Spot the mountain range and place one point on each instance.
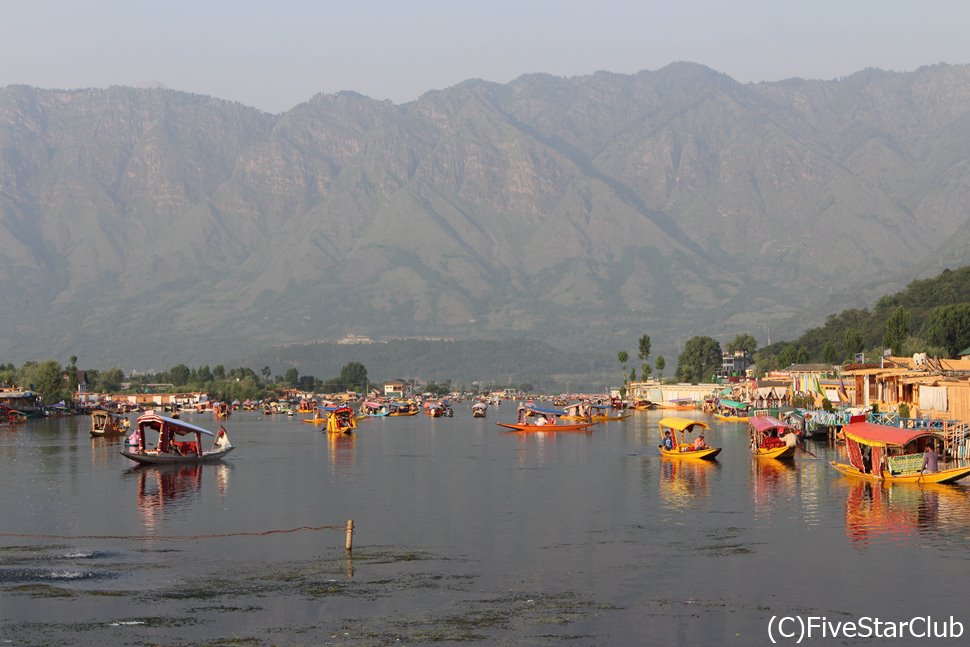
(146, 227)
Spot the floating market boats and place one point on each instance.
(892, 454)
(169, 448)
(672, 447)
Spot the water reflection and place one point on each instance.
(772, 481)
(340, 451)
(161, 485)
(104, 451)
(683, 483)
(878, 511)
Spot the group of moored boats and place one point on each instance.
(875, 452)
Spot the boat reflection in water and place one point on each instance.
(884, 512)
(161, 486)
(773, 483)
(340, 450)
(684, 484)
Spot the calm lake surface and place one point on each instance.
(464, 534)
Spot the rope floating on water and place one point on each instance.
(256, 533)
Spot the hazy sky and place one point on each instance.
(274, 55)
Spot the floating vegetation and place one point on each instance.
(411, 577)
(41, 591)
(56, 575)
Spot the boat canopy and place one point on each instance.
(762, 424)
(586, 404)
(682, 424)
(734, 404)
(868, 433)
(548, 412)
(177, 426)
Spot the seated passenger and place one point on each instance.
(700, 443)
(668, 442)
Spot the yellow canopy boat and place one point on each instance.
(879, 452)
(671, 447)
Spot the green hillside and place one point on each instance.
(931, 315)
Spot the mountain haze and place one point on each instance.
(146, 227)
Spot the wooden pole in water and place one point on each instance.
(349, 544)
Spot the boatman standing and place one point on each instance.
(221, 442)
(931, 460)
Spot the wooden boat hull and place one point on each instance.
(951, 475)
(698, 455)
(597, 418)
(168, 459)
(314, 421)
(517, 427)
(732, 418)
(778, 453)
(623, 416)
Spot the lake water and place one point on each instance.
(463, 534)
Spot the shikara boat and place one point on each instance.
(222, 410)
(579, 412)
(679, 448)
(438, 409)
(11, 416)
(679, 405)
(402, 409)
(766, 434)
(105, 423)
(534, 419)
(170, 448)
(586, 412)
(340, 420)
(891, 454)
(371, 409)
(732, 411)
(479, 409)
(317, 416)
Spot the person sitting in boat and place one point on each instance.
(541, 420)
(700, 443)
(221, 442)
(668, 442)
(931, 460)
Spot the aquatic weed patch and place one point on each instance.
(480, 621)
(4, 550)
(40, 591)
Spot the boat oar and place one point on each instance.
(807, 452)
